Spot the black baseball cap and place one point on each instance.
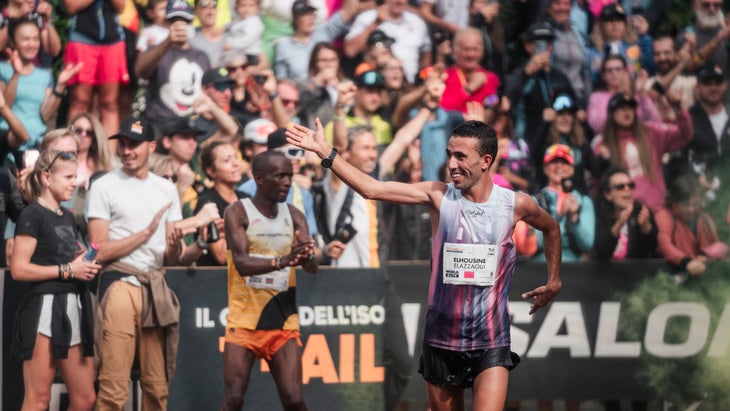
(710, 72)
(179, 8)
(564, 102)
(216, 75)
(620, 100)
(612, 12)
(539, 31)
(378, 36)
(136, 129)
(180, 125)
(277, 139)
(300, 7)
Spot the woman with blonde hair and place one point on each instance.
(95, 154)
(54, 322)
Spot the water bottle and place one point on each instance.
(91, 252)
(212, 233)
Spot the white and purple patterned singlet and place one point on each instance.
(469, 316)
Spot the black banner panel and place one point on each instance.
(601, 338)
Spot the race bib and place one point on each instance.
(469, 264)
(276, 280)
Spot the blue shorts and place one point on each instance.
(460, 368)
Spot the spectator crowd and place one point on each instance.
(575, 90)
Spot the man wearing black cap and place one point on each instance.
(173, 68)
(614, 22)
(379, 46)
(710, 119)
(214, 107)
(136, 240)
(367, 99)
(292, 52)
(532, 87)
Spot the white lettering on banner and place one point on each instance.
(564, 327)
(575, 339)
(699, 329)
(410, 313)
(721, 339)
(202, 318)
(316, 315)
(328, 315)
(223, 317)
(606, 344)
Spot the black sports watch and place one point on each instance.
(327, 161)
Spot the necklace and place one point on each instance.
(46, 205)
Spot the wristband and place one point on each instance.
(202, 244)
(278, 262)
(57, 94)
(683, 264)
(338, 118)
(431, 109)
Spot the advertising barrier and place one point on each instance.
(595, 341)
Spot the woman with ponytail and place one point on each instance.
(54, 326)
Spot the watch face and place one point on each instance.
(327, 162)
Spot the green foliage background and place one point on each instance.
(682, 381)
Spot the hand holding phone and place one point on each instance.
(541, 46)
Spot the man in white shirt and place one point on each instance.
(412, 42)
(130, 213)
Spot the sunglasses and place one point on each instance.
(84, 132)
(232, 69)
(293, 153)
(64, 155)
(613, 69)
(289, 102)
(171, 177)
(710, 5)
(622, 186)
(206, 4)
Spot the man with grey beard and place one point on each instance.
(711, 31)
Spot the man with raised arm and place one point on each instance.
(467, 334)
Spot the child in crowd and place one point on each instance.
(245, 31)
(156, 32)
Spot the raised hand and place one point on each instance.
(69, 70)
(152, 227)
(308, 139)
